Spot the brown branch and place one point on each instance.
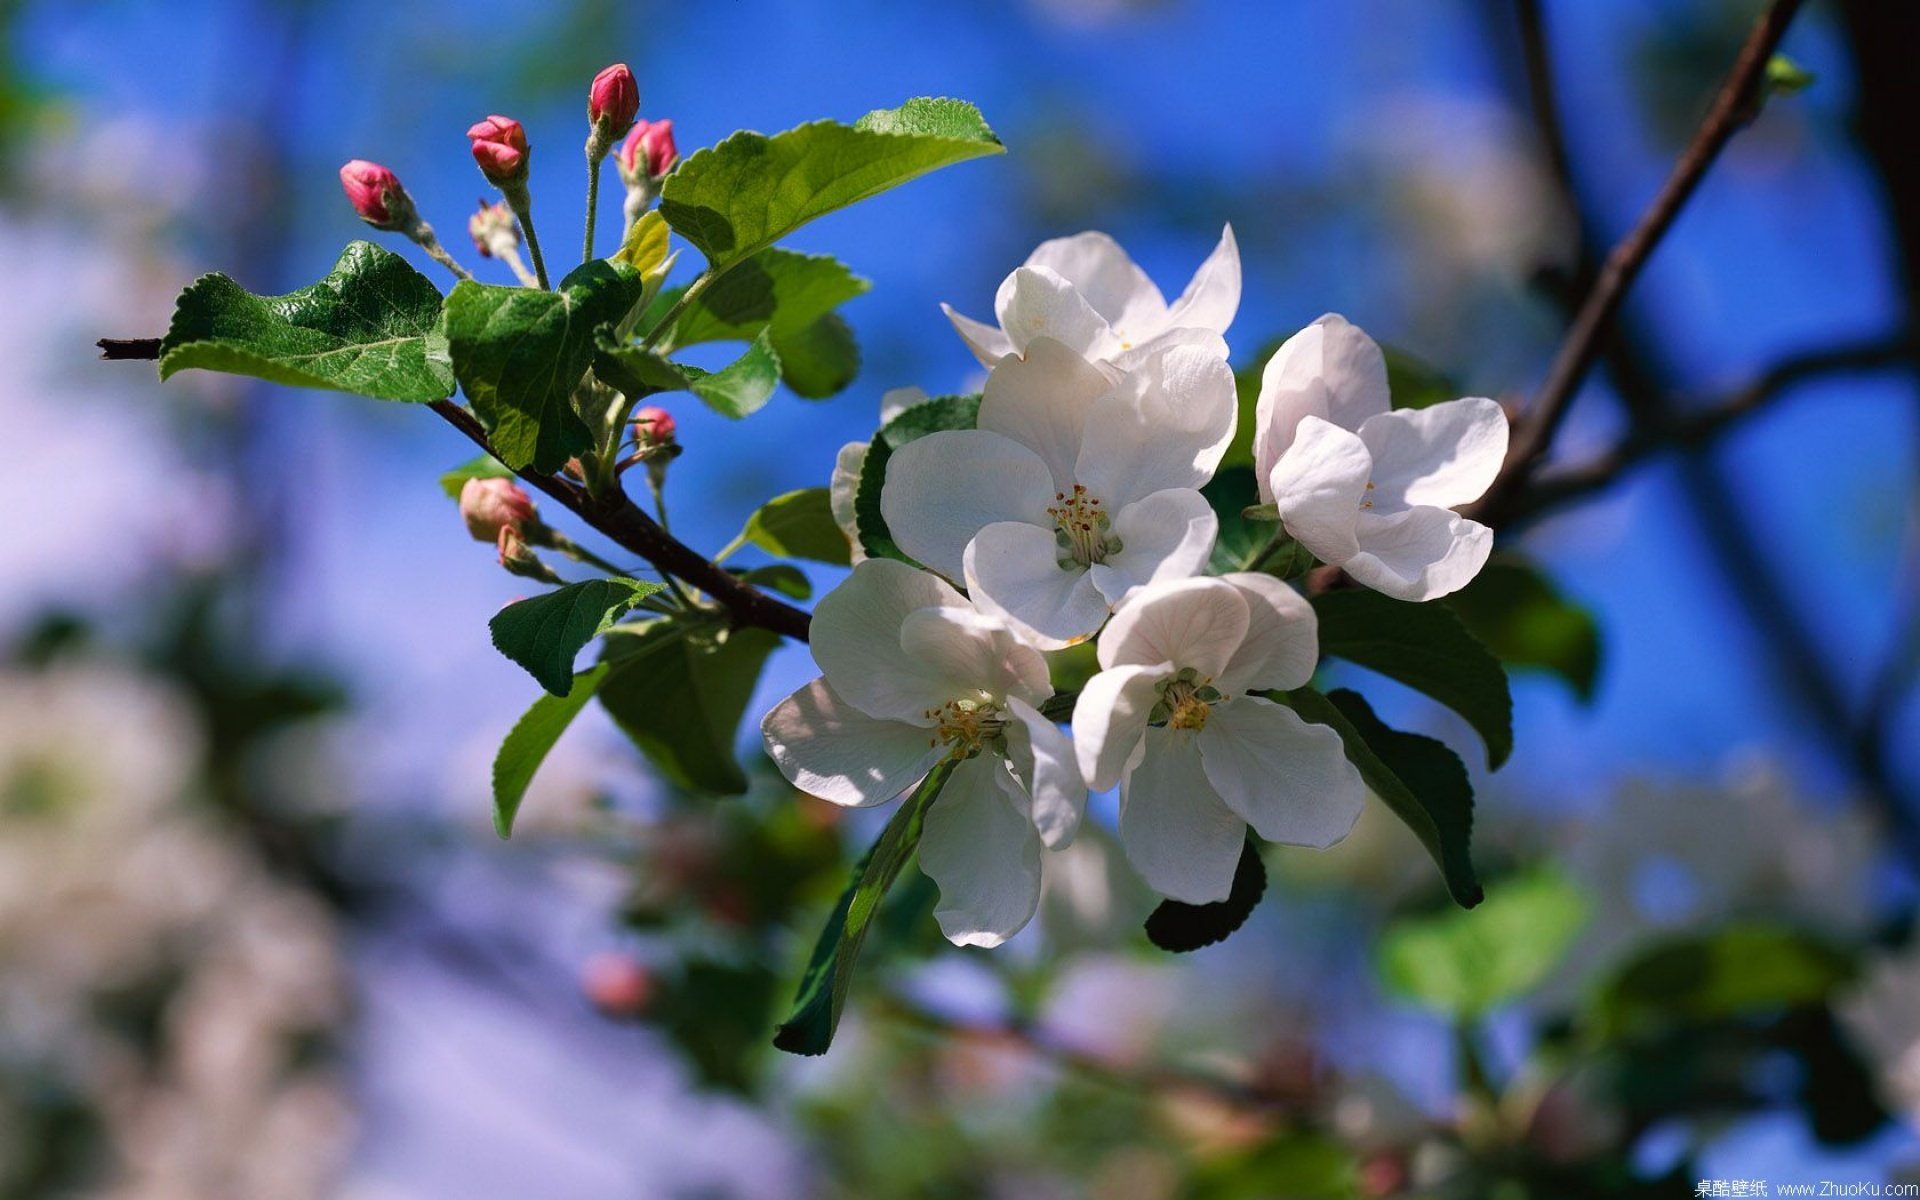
(1734, 105)
(614, 515)
(1701, 427)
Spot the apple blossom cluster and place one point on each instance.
(1072, 510)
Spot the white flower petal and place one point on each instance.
(1178, 833)
(988, 344)
(970, 652)
(1420, 554)
(1044, 756)
(1196, 623)
(832, 750)
(1110, 717)
(1319, 485)
(1164, 426)
(945, 487)
(1443, 455)
(1213, 296)
(1282, 645)
(1036, 302)
(855, 637)
(1329, 370)
(980, 848)
(841, 489)
(1289, 778)
(1112, 284)
(1041, 400)
(1168, 535)
(1013, 572)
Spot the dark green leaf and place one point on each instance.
(371, 327)
(1467, 964)
(1229, 493)
(1522, 618)
(739, 389)
(739, 197)
(1727, 973)
(484, 467)
(1289, 1165)
(776, 289)
(819, 360)
(798, 525)
(1415, 382)
(678, 688)
(1426, 647)
(544, 634)
(529, 742)
(829, 974)
(929, 416)
(520, 353)
(790, 581)
(1179, 927)
(1417, 777)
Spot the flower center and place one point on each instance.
(968, 724)
(1185, 701)
(1083, 531)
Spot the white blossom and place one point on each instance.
(1883, 1017)
(1367, 487)
(912, 675)
(1196, 759)
(1079, 484)
(1084, 292)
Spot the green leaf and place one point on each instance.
(529, 741)
(829, 975)
(644, 249)
(1287, 1165)
(739, 197)
(929, 416)
(736, 390)
(1724, 974)
(371, 327)
(1179, 927)
(790, 581)
(1422, 781)
(678, 688)
(1468, 964)
(1229, 493)
(819, 360)
(1428, 648)
(1516, 610)
(520, 353)
(486, 466)
(1416, 383)
(1785, 76)
(798, 525)
(776, 289)
(544, 634)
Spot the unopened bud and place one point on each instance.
(519, 559)
(648, 153)
(500, 148)
(617, 984)
(489, 506)
(495, 233)
(612, 102)
(376, 195)
(653, 426)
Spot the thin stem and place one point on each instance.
(1733, 107)
(593, 204)
(518, 266)
(700, 284)
(520, 200)
(579, 553)
(422, 235)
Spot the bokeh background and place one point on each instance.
(257, 938)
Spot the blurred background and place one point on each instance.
(257, 938)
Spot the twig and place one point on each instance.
(1700, 428)
(1733, 107)
(613, 514)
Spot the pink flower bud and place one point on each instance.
(617, 984)
(648, 153)
(500, 147)
(493, 227)
(492, 506)
(653, 426)
(612, 101)
(376, 194)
